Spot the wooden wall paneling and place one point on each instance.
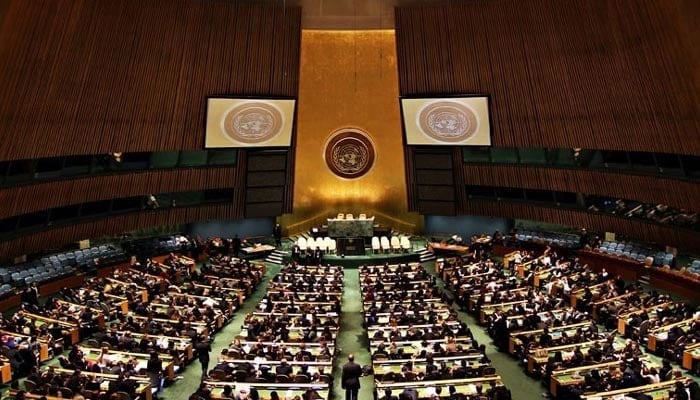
(459, 185)
(410, 179)
(558, 74)
(267, 184)
(648, 189)
(434, 179)
(101, 77)
(59, 236)
(25, 199)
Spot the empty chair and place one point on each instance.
(362, 216)
(301, 242)
(327, 243)
(348, 216)
(332, 246)
(384, 241)
(668, 260)
(376, 247)
(405, 243)
(395, 244)
(320, 243)
(340, 216)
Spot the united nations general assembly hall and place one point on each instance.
(349, 199)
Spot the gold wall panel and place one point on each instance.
(349, 79)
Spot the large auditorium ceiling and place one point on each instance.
(347, 14)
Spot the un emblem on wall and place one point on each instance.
(349, 153)
(253, 122)
(448, 121)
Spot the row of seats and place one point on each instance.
(694, 267)
(350, 216)
(326, 244)
(634, 251)
(567, 240)
(61, 264)
(396, 244)
(38, 275)
(160, 245)
(58, 265)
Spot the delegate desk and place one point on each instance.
(657, 391)
(127, 285)
(444, 248)
(481, 297)
(297, 333)
(316, 348)
(143, 390)
(211, 291)
(200, 327)
(390, 269)
(426, 389)
(5, 370)
(76, 309)
(258, 249)
(541, 355)
(422, 316)
(340, 228)
(296, 319)
(691, 356)
(313, 366)
(659, 335)
(555, 331)
(577, 294)
(617, 300)
(181, 344)
(386, 367)
(575, 376)
(118, 302)
(284, 390)
(412, 348)
(487, 310)
(624, 318)
(43, 345)
(95, 355)
(162, 311)
(72, 329)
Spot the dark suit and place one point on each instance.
(277, 233)
(352, 372)
(203, 348)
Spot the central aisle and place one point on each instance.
(352, 337)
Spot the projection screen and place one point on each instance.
(246, 122)
(449, 121)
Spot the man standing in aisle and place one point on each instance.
(203, 348)
(351, 378)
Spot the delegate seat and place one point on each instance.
(376, 247)
(386, 246)
(395, 244)
(405, 244)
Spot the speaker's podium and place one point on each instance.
(350, 233)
